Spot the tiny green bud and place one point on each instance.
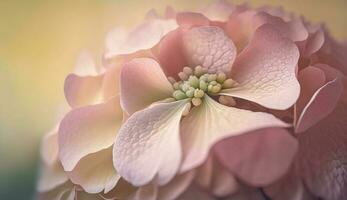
(221, 77)
(185, 86)
(216, 88)
(196, 101)
(171, 80)
(183, 76)
(198, 93)
(229, 83)
(199, 71)
(212, 77)
(203, 85)
(179, 95)
(176, 85)
(190, 92)
(193, 81)
(204, 78)
(209, 88)
(188, 71)
(213, 83)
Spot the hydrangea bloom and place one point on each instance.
(205, 104)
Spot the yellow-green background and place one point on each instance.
(39, 41)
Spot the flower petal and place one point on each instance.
(95, 172)
(211, 122)
(322, 155)
(265, 71)
(144, 142)
(209, 47)
(63, 192)
(142, 83)
(213, 176)
(218, 10)
(51, 177)
(294, 29)
(170, 54)
(194, 192)
(147, 192)
(320, 105)
(49, 146)
(110, 82)
(250, 155)
(311, 79)
(85, 65)
(82, 90)
(145, 36)
(190, 19)
(87, 130)
(176, 187)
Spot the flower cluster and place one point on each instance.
(225, 102)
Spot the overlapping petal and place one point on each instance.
(211, 122)
(146, 140)
(265, 70)
(218, 10)
(51, 177)
(87, 130)
(251, 154)
(322, 155)
(142, 83)
(95, 172)
(321, 89)
(209, 47)
(170, 53)
(120, 41)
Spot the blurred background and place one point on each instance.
(39, 41)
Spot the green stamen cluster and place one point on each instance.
(195, 83)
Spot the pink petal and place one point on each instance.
(214, 177)
(314, 42)
(289, 187)
(88, 129)
(211, 122)
(247, 193)
(85, 65)
(170, 54)
(209, 47)
(147, 192)
(110, 83)
(142, 83)
(294, 29)
(320, 105)
(218, 10)
(176, 187)
(49, 146)
(190, 19)
(51, 177)
(265, 71)
(144, 142)
(66, 191)
(252, 154)
(311, 79)
(82, 90)
(120, 42)
(95, 172)
(323, 156)
(123, 190)
(239, 27)
(194, 192)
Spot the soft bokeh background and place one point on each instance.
(39, 41)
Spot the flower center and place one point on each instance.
(196, 83)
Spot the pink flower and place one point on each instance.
(206, 104)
